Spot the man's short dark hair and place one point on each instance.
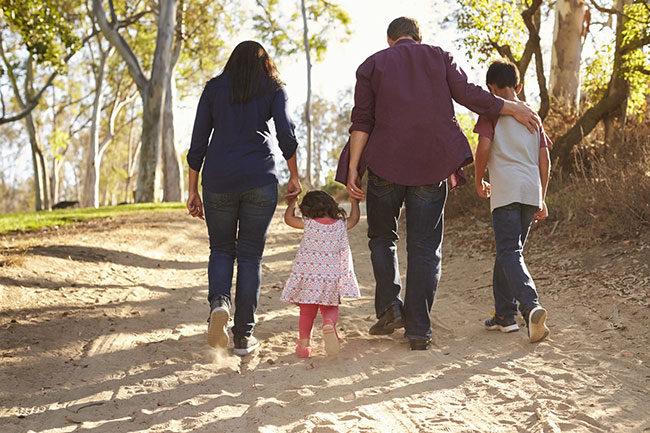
(404, 26)
(503, 73)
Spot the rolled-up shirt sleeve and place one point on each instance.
(201, 132)
(284, 126)
(470, 95)
(363, 113)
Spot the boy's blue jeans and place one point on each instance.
(424, 228)
(237, 225)
(511, 280)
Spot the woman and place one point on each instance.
(240, 187)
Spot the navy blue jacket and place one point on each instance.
(239, 155)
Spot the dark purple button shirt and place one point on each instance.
(403, 99)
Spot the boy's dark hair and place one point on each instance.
(503, 73)
(319, 204)
(404, 26)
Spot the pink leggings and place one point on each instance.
(308, 314)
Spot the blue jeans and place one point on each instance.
(511, 280)
(424, 227)
(237, 225)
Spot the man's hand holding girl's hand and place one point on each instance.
(354, 185)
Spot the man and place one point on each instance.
(403, 112)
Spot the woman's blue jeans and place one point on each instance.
(511, 280)
(237, 225)
(424, 228)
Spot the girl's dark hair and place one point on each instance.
(319, 204)
(252, 72)
(503, 73)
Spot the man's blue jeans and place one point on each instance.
(424, 227)
(237, 225)
(511, 280)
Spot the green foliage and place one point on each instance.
(284, 32)
(34, 220)
(207, 25)
(485, 23)
(46, 26)
(636, 63)
(59, 140)
(596, 75)
(467, 122)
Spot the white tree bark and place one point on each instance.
(564, 79)
(173, 179)
(91, 181)
(308, 174)
(172, 167)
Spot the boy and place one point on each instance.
(519, 167)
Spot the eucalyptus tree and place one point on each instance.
(37, 39)
(287, 38)
(622, 74)
(627, 85)
(509, 28)
(152, 89)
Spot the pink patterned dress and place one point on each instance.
(323, 271)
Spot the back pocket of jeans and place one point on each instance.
(263, 196)
(432, 192)
(378, 186)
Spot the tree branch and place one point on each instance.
(635, 45)
(110, 32)
(29, 104)
(534, 44)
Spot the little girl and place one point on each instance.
(323, 270)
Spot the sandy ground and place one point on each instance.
(102, 328)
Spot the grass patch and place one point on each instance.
(35, 220)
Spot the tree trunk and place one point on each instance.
(567, 50)
(152, 91)
(610, 105)
(91, 181)
(41, 176)
(308, 174)
(615, 121)
(172, 174)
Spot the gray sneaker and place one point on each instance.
(219, 316)
(245, 345)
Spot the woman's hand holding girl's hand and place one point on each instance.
(293, 189)
(194, 205)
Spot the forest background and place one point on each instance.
(98, 97)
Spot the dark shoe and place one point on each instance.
(419, 343)
(219, 316)
(501, 323)
(536, 323)
(245, 345)
(389, 321)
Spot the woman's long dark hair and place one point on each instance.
(319, 204)
(252, 72)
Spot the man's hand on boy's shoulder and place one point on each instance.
(483, 188)
(541, 214)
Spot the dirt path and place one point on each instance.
(102, 328)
